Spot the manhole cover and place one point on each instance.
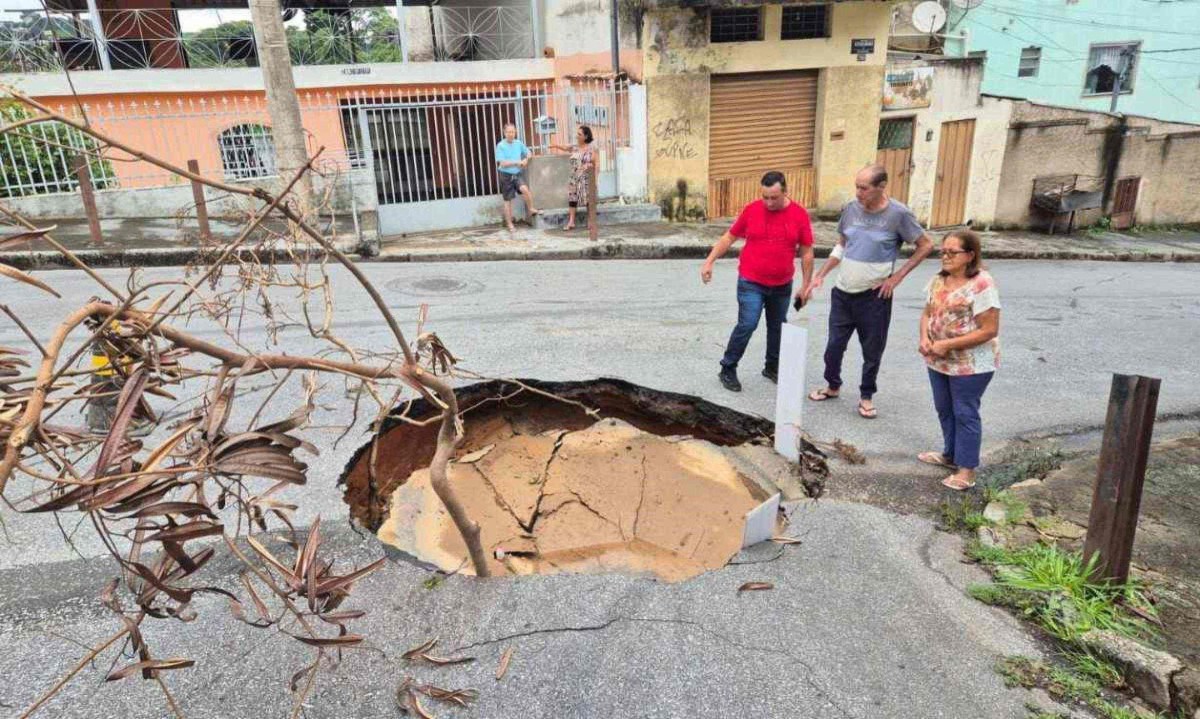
(662, 483)
(436, 286)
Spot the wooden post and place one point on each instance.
(593, 224)
(1112, 523)
(84, 175)
(198, 196)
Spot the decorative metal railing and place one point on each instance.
(36, 41)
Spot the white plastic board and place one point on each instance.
(789, 394)
(760, 522)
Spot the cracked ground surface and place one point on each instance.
(867, 619)
(608, 497)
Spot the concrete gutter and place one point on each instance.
(173, 256)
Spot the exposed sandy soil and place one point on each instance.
(607, 497)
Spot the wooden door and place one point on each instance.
(1125, 203)
(895, 154)
(759, 122)
(953, 173)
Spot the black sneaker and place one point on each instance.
(729, 379)
(771, 373)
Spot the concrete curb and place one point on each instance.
(601, 251)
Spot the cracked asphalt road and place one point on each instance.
(867, 618)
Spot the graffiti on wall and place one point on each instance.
(676, 141)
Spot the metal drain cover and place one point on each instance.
(435, 286)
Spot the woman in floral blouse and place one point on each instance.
(583, 160)
(959, 330)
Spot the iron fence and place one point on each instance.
(137, 38)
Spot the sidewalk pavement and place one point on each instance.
(167, 241)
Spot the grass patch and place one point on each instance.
(1025, 463)
(1066, 685)
(961, 514)
(1056, 590)
(1096, 668)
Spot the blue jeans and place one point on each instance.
(868, 314)
(753, 298)
(957, 402)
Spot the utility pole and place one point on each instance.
(283, 105)
(1123, 69)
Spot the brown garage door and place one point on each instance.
(759, 122)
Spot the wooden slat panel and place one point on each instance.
(760, 122)
(728, 195)
(896, 163)
(953, 173)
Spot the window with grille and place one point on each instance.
(735, 25)
(1104, 67)
(352, 135)
(1031, 58)
(895, 134)
(804, 22)
(247, 151)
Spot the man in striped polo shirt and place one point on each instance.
(871, 229)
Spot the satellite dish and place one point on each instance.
(928, 17)
(967, 4)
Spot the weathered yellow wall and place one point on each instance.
(677, 144)
(679, 61)
(847, 130)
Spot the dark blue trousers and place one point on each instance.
(957, 401)
(753, 300)
(868, 314)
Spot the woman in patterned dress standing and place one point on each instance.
(583, 161)
(959, 331)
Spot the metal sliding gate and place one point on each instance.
(433, 154)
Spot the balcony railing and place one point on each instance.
(35, 41)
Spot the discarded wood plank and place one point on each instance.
(1117, 495)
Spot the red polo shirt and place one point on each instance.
(769, 257)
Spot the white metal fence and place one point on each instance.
(440, 145)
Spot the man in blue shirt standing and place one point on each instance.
(511, 158)
(871, 229)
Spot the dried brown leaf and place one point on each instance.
(421, 649)
(461, 697)
(15, 274)
(446, 661)
(189, 531)
(343, 583)
(271, 560)
(152, 665)
(342, 641)
(755, 587)
(505, 658)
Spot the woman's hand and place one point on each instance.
(940, 348)
(926, 346)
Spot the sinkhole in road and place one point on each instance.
(645, 482)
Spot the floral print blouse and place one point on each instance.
(954, 313)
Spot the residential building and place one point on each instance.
(406, 101)
(1070, 53)
(736, 89)
(942, 143)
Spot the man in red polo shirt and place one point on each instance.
(773, 228)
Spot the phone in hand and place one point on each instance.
(798, 303)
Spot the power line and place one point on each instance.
(1017, 13)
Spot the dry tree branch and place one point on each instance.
(143, 498)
